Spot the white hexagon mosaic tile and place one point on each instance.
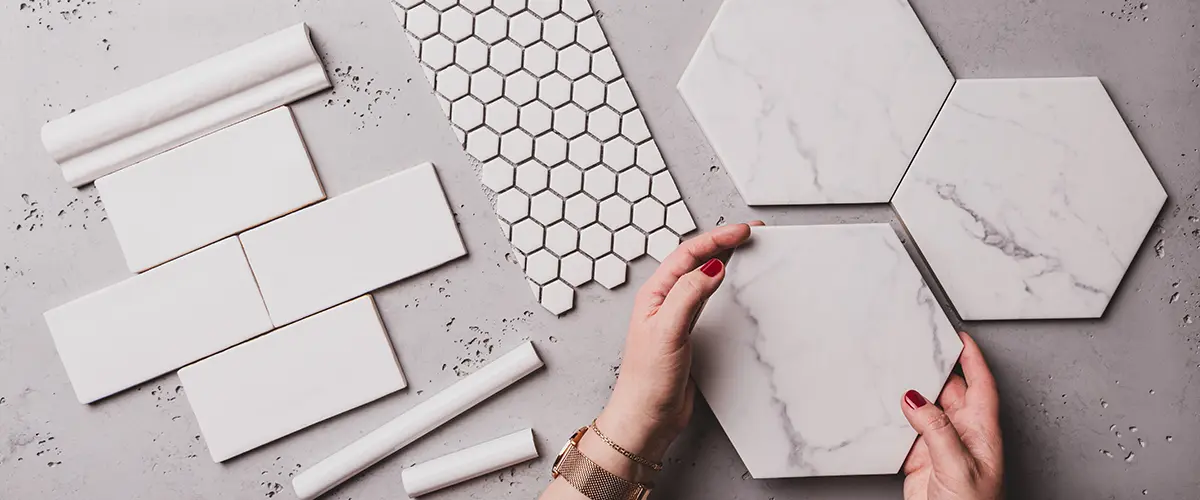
(820, 101)
(1029, 198)
(534, 93)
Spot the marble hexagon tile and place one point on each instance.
(814, 102)
(1029, 198)
(830, 316)
(535, 94)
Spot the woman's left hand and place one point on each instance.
(652, 400)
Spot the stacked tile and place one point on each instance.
(533, 92)
(220, 140)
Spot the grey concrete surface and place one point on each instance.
(1108, 408)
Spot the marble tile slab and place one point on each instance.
(806, 350)
(210, 188)
(534, 93)
(1030, 198)
(821, 101)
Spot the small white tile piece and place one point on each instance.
(661, 243)
(521, 87)
(615, 213)
(604, 123)
(463, 465)
(559, 31)
(540, 59)
(574, 62)
(476, 6)
(584, 151)
(491, 26)
(604, 65)
(633, 184)
(487, 85)
(525, 28)
(664, 188)
(561, 238)
(576, 269)
(483, 144)
(507, 57)
(595, 241)
(566, 179)
(510, 7)
(570, 121)
(457, 24)
(545, 8)
(577, 10)
(210, 188)
(679, 219)
(512, 205)
(291, 378)
(546, 207)
(629, 243)
(589, 92)
(633, 126)
(599, 182)
(527, 235)
(467, 113)
(437, 52)
(1029, 198)
(532, 177)
(516, 146)
(471, 54)
(550, 149)
(422, 21)
(536, 118)
(557, 297)
(554, 90)
(649, 215)
(157, 321)
(349, 245)
(610, 271)
(581, 210)
(797, 125)
(619, 96)
(188, 104)
(835, 314)
(590, 35)
(619, 154)
(498, 174)
(649, 158)
(501, 115)
(541, 267)
(452, 82)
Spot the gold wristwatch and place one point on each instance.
(590, 479)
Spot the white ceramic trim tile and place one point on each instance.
(469, 463)
(210, 188)
(351, 244)
(822, 101)
(1030, 198)
(158, 321)
(204, 97)
(836, 316)
(417, 422)
(565, 119)
(291, 378)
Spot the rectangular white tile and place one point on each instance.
(292, 378)
(182, 106)
(209, 188)
(351, 244)
(158, 321)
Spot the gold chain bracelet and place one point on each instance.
(628, 454)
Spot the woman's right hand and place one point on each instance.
(958, 455)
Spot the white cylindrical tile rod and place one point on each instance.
(469, 463)
(416, 422)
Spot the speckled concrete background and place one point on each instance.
(1092, 409)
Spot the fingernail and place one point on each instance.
(711, 268)
(914, 399)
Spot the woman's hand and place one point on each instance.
(958, 456)
(652, 400)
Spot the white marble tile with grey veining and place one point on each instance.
(806, 350)
(821, 101)
(1029, 198)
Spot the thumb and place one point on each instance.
(687, 296)
(946, 450)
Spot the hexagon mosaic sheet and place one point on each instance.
(535, 94)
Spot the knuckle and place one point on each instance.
(937, 422)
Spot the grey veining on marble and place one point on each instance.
(806, 349)
(1029, 198)
(815, 102)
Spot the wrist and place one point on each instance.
(635, 433)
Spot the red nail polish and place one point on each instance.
(914, 399)
(711, 268)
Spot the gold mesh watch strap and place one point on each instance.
(595, 482)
